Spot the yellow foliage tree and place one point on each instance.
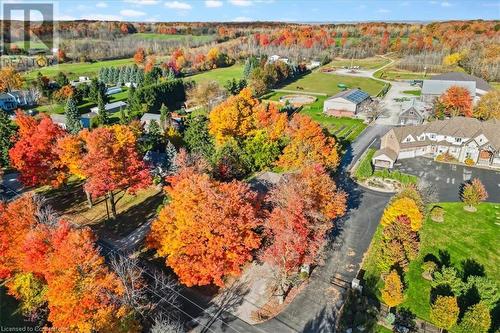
(9, 79)
(452, 59)
(403, 207)
(235, 117)
(489, 106)
(392, 294)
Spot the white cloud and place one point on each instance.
(177, 5)
(143, 2)
(101, 4)
(446, 4)
(65, 18)
(242, 19)
(213, 3)
(383, 11)
(241, 3)
(131, 13)
(103, 17)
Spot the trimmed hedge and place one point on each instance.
(401, 177)
(172, 93)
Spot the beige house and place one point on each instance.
(466, 140)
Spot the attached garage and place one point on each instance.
(406, 154)
(384, 158)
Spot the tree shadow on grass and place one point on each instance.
(131, 219)
(66, 197)
(471, 267)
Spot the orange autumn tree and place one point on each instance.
(304, 205)
(308, 144)
(82, 293)
(34, 154)
(207, 230)
(392, 293)
(233, 118)
(51, 264)
(112, 163)
(456, 101)
(140, 56)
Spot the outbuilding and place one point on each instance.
(346, 103)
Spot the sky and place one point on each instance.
(275, 10)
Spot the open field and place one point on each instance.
(31, 45)
(164, 37)
(462, 235)
(345, 129)
(393, 74)
(73, 70)
(367, 63)
(220, 75)
(326, 83)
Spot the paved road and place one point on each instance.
(447, 178)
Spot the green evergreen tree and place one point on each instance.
(165, 117)
(123, 117)
(477, 319)
(102, 115)
(6, 133)
(197, 137)
(155, 135)
(62, 79)
(171, 154)
(139, 77)
(72, 116)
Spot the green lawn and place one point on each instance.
(326, 83)
(463, 235)
(367, 63)
(154, 36)
(85, 106)
(495, 85)
(415, 92)
(392, 74)
(73, 70)
(220, 75)
(346, 129)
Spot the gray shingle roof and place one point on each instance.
(461, 127)
(457, 76)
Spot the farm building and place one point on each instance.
(438, 84)
(346, 103)
(413, 112)
(111, 107)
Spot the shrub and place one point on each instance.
(428, 268)
(449, 276)
(469, 161)
(437, 214)
(365, 168)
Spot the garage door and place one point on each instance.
(406, 154)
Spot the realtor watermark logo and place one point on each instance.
(28, 34)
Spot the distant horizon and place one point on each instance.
(292, 11)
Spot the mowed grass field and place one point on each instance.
(463, 235)
(220, 75)
(326, 83)
(155, 36)
(345, 129)
(73, 70)
(367, 63)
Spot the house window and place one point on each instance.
(458, 140)
(433, 136)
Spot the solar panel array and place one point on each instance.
(357, 96)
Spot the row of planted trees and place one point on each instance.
(459, 300)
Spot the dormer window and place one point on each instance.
(458, 140)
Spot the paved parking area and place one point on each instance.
(448, 177)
